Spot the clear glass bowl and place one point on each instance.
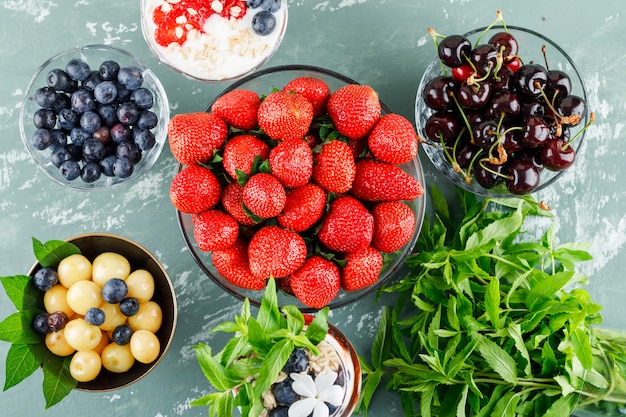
(530, 50)
(234, 53)
(93, 244)
(263, 82)
(94, 55)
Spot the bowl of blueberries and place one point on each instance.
(94, 117)
(502, 110)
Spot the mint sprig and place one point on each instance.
(256, 353)
(28, 352)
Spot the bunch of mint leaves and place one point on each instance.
(252, 359)
(28, 351)
(489, 322)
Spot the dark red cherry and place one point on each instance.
(505, 103)
(453, 50)
(559, 85)
(437, 93)
(536, 132)
(474, 118)
(522, 176)
(512, 141)
(488, 175)
(486, 134)
(530, 80)
(505, 42)
(533, 108)
(474, 96)
(502, 80)
(465, 153)
(557, 155)
(484, 58)
(572, 107)
(442, 125)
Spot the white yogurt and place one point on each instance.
(227, 49)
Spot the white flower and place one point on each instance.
(316, 394)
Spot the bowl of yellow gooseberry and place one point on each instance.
(99, 312)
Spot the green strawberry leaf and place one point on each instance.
(49, 254)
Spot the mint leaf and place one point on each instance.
(382, 340)
(563, 407)
(492, 303)
(295, 319)
(582, 348)
(218, 375)
(57, 381)
(269, 316)
(258, 338)
(49, 254)
(17, 328)
(318, 328)
(498, 359)
(22, 292)
(273, 364)
(22, 361)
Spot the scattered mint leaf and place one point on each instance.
(218, 375)
(49, 254)
(273, 364)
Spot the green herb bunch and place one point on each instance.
(256, 353)
(488, 323)
(28, 351)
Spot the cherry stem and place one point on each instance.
(468, 178)
(467, 123)
(592, 118)
(545, 56)
(452, 158)
(486, 168)
(434, 35)
(499, 19)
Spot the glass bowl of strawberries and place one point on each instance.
(502, 110)
(303, 175)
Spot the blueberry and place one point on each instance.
(143, 98)
(95, 316)
(128, 113)
(341, 377)
(253, 3)
(90, 121)
(40, 324)
(45, 97)
(297, 362)
(92, 81)
(45, 278)
(62, 102)
(120, 133)
(263, 23)
(123, 93)
(45, 119)
(59, 138)
(90, 172)
(41, 139)
(129, 306)
(106, 164)
(68, 119)
(70, 170)
(121, 334)
(271, 6)
(144, 139)
(78, 136)
(82, 101)
(147, 120)
(280, 411)
(93, 150)
(108, 70)
(114, 290)
(108, 114)
(59, 155)
(60, 81)
(57, 320)
(105, 92)
(103, 134)
(123, 167)
(77, 70)
(129, 150)
(130, 77)
(76, 151)
(284, 393)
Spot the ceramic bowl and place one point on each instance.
(93, 244)
(94, 56)
(263, 82)
(530, 51)
(214, 44)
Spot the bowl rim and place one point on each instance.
(84, 386)
(162, 60)
(28, 93)
(432, 147)
(420, 202)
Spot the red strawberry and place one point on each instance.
(354, 109)
(232, 264)
(276, 252)
(381, 181)
(393, 140)
(304, 206)
(361, 269)
(232, 201)
(291, 161)
(394, 223)
(215, 230)
(264, 195)
(348, 226)
(284, 115)
(240, 151)
(334, 167)
(238, 108)
(314, 89)
(316, 282)
(195, 189)
(194, 137)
